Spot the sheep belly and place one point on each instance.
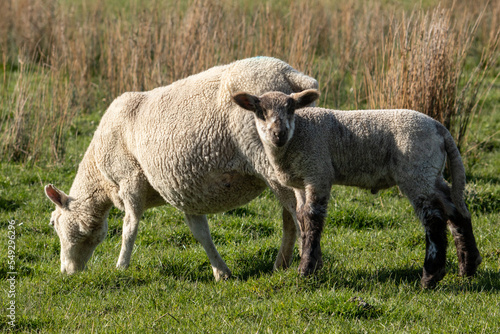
(372, 181)
(216, 191)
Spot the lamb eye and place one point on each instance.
(260, 115)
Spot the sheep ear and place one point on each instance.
(246, 101)
(57, 196)
(305, 98)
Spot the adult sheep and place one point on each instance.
(185, 144)
(314, 148)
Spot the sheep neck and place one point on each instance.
(87, 189)
(279, 159)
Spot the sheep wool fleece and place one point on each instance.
(187, 144)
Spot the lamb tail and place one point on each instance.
(457, 174)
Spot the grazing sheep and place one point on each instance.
(314, 148)
(186, 144)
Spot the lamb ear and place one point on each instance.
(57, 196)
(246, 101)
(305, 98)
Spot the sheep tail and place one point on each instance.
(457, 174)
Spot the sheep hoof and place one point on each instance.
(221, 275)
(281, 263)
(307, 268)
(121, 266)
(429, 281)
(469, 268)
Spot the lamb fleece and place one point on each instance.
(185, 144)
(313, 148)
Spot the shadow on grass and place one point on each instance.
(200, 271)
(360, 279)
(31, 324)
(8, 205)
(359, 219)
(240, 212)
(252, 266)
(486, 179)
(244, 266)
(256, 264)
(485, 202)
(484, 281)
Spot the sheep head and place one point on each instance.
(77, 229)
(275, 113)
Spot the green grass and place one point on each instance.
(373, 245)
(373, 249)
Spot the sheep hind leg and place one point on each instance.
(468, 254)
(461, 230)
(431, 213)
(198, 225)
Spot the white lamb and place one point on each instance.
(186, 144)
(312, 148)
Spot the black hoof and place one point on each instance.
(429, 281)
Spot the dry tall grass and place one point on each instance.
(36, 114)
(60, 59)
(422, 69)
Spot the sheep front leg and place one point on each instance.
(198, 225)
(311, 217)
(435, 253)
(285, 252)
(133, 213)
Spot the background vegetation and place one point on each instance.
(63, 62)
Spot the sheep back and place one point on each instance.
(371, 149)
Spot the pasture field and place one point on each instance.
(54, 90)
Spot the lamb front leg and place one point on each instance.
(285, 253)
(290, 227)
(311, 216)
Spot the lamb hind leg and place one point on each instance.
(468, 254)
(461, 229)
(433, 219)
(198, 225)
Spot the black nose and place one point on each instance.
(280, 138)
